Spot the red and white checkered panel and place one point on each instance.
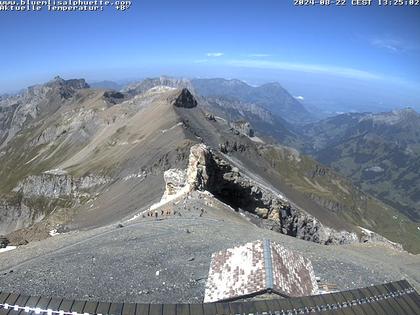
(236, 272)
(242, 270)
(293, 274)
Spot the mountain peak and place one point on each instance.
(184, 98)
(76, 84)
(57, 79)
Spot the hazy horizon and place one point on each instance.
(327, 96)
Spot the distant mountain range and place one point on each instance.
(106, 85)
(271, 96)
(266, 123)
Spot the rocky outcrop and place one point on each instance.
(33, 102)
(200, 161)
(329, 204)
(232, 146)
(242, 127)
(3, 242)
(16, 214)
(208, 172)
(6, 116)
(56, 184)
(46, 185)
(175, 181)
(184, 99)
(210, 116)
(368, 236)
(113, 97)
(147, 84)
(34, 198)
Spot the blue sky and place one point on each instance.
(254, 40)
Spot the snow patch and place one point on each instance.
(173, 127)
(56, 171)
(168, 198)
(141, 175)
(256, 139)
(220, 118)
(375, 169)
(160, 88)
(165, 200)
(368, 232)
(7, 248)
(54, 232)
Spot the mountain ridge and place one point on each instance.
(157, 182)
(270, 95)
(156, 127)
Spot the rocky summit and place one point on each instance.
(156, 177)
(184, 99)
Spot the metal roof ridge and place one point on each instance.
(268, 263)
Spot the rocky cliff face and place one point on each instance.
(175, 181)
(37, 196)
(243, 127)
(18, 110)
(56, 184)
(6, 117)
(208, 172)
(147, 84)
(15, 214)
(368, 236)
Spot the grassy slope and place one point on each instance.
(319, 182)
(397, 184)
